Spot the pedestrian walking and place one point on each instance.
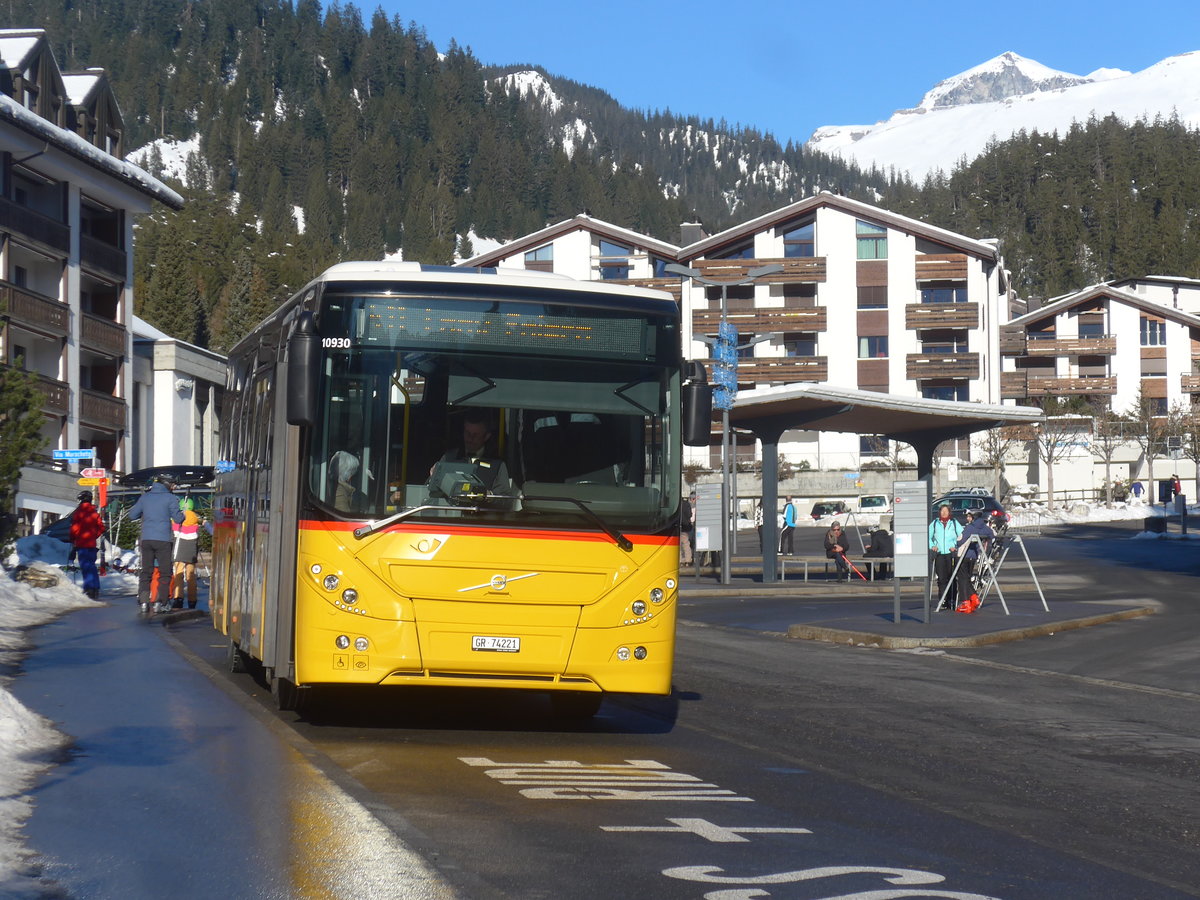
(187, 543)
(157, 509)
(787, 538)
(86, 529)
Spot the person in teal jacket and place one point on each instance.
(944, 533)
(788, 537)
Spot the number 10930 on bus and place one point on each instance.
(456, 478)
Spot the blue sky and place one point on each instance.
(789, 67)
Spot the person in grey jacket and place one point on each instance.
(157, 508)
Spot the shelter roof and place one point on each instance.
(829, 408)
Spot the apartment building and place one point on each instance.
(67, 202)
(863, 298)
(1109, 342)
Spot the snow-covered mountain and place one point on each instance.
(958, 116)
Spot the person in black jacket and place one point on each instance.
(835, 549)
(882, 546)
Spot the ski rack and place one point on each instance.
(990, 563)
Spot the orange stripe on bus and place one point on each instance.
(649, 540)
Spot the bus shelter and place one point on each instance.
(921, 423)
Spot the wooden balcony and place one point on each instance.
(34, 311)
(780, 370)
(759, 320)
(1014, 385)
(941, 315)
(1105, 345)
(1012, 341)
(31, 224)
(1190, 384)
(923, 366)
(942, 267)
(97, 254)
(672, 286)
(56, 395)
(102, 411)
(810, 269)
(102, 335)
(1070, 387)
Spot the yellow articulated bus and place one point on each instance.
(437, 476)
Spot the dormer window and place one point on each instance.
(800, 242)
(614, 260)
(872, 240)
(541, 259)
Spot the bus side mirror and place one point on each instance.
(303, 372)
(697, 406)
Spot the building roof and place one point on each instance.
(580, 222)
(983, 249)
(1106, 290)
(80, 85)
(18, 44)
(68, 142)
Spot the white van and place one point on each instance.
(874, 503)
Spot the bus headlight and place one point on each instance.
(639, 652)
(623, 654)
(638, 607)
(656, 595)
(349, 596)
(331, 582)
(315, 568)
(360, 644)
(670, 584)
(342, 641)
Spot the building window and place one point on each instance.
(873, 296)
(614, 260)
(1157, 406)
(800, 243)
(944, 342)
(873, 347)
(660, 267)
(872, 240)
(800, 343)
(1154, 332)
(953, 293)
(745, 350)
(744, 251)
(958, 392)
(541, 259)
(1091, 329)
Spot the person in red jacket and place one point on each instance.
(86, 529)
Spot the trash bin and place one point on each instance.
(1157, 524)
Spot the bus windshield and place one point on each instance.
(501, 412)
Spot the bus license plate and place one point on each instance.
(496, 644)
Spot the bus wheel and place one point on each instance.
(575, 704)
(235, 659)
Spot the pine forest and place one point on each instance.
(325, 137)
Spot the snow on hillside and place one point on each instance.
(174, 155)
(959, 116)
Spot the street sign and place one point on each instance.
(73, 454)
(91, 482)
(93, 473)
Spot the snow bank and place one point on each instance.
(28, 742)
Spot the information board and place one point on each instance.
(709, 534)
(910, 522)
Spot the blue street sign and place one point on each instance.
(225, 465)
(73, 454)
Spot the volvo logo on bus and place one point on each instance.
(498, 582)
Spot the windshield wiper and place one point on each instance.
(621, 541)
(371, 527)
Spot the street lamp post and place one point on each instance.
(725, 378)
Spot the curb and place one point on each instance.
(893, 642)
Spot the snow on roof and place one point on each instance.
(73, 144)
(79, 85)
(143, 330)
(577, 223)
(17, 43)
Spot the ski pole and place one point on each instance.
(854, 570)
